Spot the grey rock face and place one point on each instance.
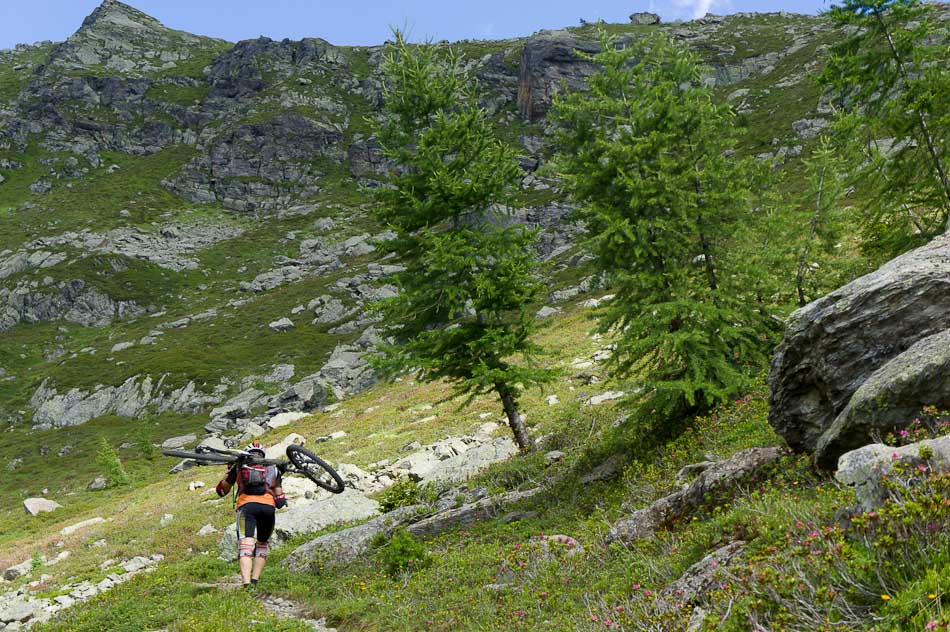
(307, 394)
(98, 483)
(548, 60)
(18, 570)
(345, 546)
(130, 399)
(237, 74)
(283, 324)
(863, 468)
(704, 575)
(833, 345)
(179, 442)
(259, 166)
(644, 522)
(468, 514)
(366, 159)
(240, 405)
(123, 40)
(71, 301)
(891, 397)
(169, 247)
(469, 462)
(347, 371)
(327, 309)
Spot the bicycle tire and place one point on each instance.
(200, 456)
(313, 467)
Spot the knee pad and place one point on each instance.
(261, 549)
(246, 548)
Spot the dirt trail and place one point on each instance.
(277, 606)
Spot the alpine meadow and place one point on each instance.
(636, 326)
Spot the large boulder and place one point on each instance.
(350, 506)
(705, 575)
(644, 19)
(834, 345)
(341, 547)
(36, 506)
(469, 513)
(893, 394)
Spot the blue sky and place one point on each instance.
(364, 21)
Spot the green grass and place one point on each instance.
(92, 202)
(13, 81)
(543, 586)
(177, 94)
(557, 590)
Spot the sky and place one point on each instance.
(365, 22)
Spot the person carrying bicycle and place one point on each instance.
(259, 496)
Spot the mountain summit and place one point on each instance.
(117, 38)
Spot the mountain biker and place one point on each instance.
(259, 496)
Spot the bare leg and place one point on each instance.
(246, 562)
(258, 567)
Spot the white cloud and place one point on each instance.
(696, 8)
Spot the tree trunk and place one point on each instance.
(704, 242)
(800, 277)
(518, 427)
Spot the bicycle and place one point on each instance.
(299, 461)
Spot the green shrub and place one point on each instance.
(112, 469)
(880, 571)
(143, 441)
(36, 562)
(403, 553)
(405, 492)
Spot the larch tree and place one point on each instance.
(890, 81)
(646, 152)
(464, 308)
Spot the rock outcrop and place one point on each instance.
(835, 345)
(342, 547)
(865, 467)
(549, 62)
(71, 301)
(715, 480)
(260, 166)
(130, 399)
(891, 396)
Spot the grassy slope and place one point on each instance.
(564, 593)
(560, 593)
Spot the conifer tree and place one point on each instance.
(891, 81)
(646, 153)
(463, 312)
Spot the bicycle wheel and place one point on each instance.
(315, 468)
(201, 457)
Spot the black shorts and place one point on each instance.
(255, 520)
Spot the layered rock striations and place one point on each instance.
(866, 357)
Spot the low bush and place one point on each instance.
(403, 554)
